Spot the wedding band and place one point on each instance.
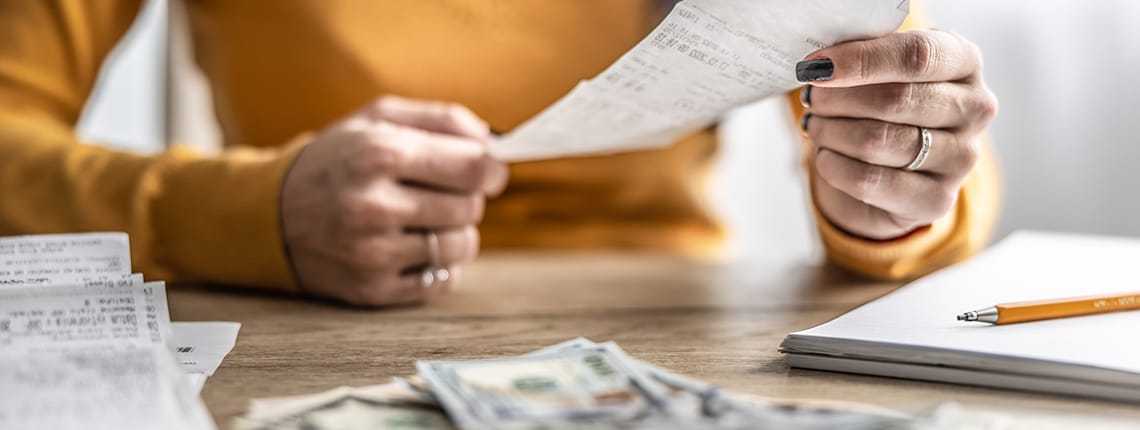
(434, 272)
(429, 276)
(441, 274)
(920, 158)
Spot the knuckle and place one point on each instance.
(970, 154)
(897, 98)
(921, 54)
(384, 105)
(867, 56)
(477, 168)
(450, 113)
(364, 210)
(869, 182)
(384, 155)
(987, 108)
(455, 111)
(876, 142)
(474, 209)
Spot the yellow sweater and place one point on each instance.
(285, 68)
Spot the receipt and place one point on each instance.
(78, 314)
(201, 346)
(111, 386)
(46, 259)
(84, 343)
(97, 261)
(706, 58)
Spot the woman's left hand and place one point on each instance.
(868, 105)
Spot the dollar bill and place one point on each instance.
(393, 406)
(592, 386)
(705, 406)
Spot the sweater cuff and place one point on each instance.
(890, 259)
(219, 219)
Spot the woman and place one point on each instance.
(311, 196)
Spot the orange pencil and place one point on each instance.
(1008, 313)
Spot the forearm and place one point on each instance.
(189, 217)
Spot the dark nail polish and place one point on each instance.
(805, 97)
(815, 70)
(804, 122)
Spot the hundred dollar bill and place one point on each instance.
(394, 406)
(588, 387)
(705, 406)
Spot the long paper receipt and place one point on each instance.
(86, 344)
(706, 58)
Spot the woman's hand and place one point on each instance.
(867, 106)
(357, 202)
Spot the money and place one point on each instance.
(577, 384)
(396, 405)
(594, 386)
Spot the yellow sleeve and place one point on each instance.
(189, 217)
(962, 232)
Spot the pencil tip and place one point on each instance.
(962, 317)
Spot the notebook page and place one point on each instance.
(1026, 266)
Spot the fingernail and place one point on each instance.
(804, 122)
(805, 97)
(815, 70)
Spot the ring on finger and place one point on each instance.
(434, 272)
(923, 151)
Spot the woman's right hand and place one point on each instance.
(357, 202)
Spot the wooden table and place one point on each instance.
(716, 322)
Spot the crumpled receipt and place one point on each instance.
(706, 58)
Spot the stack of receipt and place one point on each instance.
(575, 384)
(85, 343)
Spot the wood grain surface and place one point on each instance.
(718, 322)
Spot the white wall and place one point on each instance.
(1062, 70)
(126, 109)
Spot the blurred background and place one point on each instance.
(1063, 72)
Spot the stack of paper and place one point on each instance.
(84, 343)
(913, 332)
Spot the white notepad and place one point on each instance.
(912, 332)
